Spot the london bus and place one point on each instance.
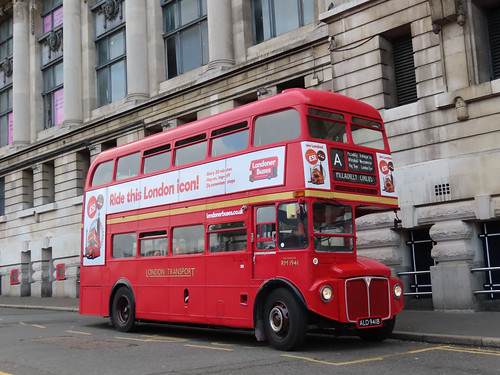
(188, 234)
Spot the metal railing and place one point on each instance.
(490, 285)
(416, 285)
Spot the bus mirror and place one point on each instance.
(291, 211)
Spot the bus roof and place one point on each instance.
(288, 98)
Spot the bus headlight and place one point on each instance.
(397, 291)
(326, 293)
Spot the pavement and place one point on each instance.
(478, 328)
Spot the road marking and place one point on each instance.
(79, 333)
(471, 351)
(382, 357)
(4, 373)
(220, 344)
(153, 338)
(334, 363)
(33, 325)
(209, 347)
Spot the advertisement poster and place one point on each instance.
(316, 165)
(94, 228)
(256, 170)
(386, 175)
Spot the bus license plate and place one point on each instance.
(369, 322)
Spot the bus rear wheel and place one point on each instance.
(123, 310)
(285, 320)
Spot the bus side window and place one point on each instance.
(128, 166)
(369, 134)
(103, 173)
(124, 245)
(190, 149)
(266, 228)
(292, 226)
(276, 127)
(227, 237)
(229, 139)
(188, 240)
(157, 159)
(153, 243)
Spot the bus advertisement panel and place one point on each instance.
(216, 178)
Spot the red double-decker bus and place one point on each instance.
(188, 236)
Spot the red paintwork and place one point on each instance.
(222, 287)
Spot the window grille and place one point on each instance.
(404, 70)
(420, 246)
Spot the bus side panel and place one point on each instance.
(90, 301)
(152, 288)
(92, 298)
(187, 287)
(228, 290)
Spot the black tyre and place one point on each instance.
(378, 333)
(123, 310)
(285, 320)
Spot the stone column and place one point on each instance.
(376, 238)
(452, 282)
(72, 42)
(455, 57)
(220, 33)
(137, 51)
(21, 74)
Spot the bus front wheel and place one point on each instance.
(285, 320)
(123, 310)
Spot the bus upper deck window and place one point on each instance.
(326, 127)
(157, 159)
(229, 139)
(367, 135)
(128, 166)
(191, 152)
(276, 127)
(103, 173)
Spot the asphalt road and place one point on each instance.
(39, 342)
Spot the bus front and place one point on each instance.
(348, 173)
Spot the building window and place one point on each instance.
(493, 21)
(52, 64)
(2, 196)
(419, 278)
(6, 121)
(52, 14)
(27, 188)
(404, 70)
(111, 51)
(185, 36)
(53, 95)
(271, 18)
(491, 247)
(400, 83)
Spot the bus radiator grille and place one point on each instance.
(367, 297)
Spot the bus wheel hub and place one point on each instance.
(279, 320)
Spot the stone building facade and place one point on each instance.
(78, 77)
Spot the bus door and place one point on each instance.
(228, 267)
(264, 242)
